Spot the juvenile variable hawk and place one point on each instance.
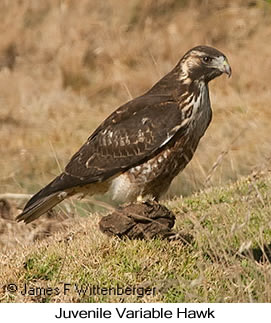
(145, 143)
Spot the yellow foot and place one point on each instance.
(140, 199)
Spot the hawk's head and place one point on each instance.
(203, 62)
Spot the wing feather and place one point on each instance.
(131, 135)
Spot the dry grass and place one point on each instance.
(228, 260)
(77, 63)
(64, 66)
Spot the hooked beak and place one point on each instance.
(225, 67)
(222, 64)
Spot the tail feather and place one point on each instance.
(44, 200)
(34, 210)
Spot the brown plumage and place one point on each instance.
(145, 143)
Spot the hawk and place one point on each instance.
(145, 143)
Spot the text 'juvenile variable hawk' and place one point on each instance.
(145, 143)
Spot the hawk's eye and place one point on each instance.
(207, 59)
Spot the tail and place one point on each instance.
(40, 203)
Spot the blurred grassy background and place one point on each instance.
(65, 65)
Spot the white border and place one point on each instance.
(49, 312)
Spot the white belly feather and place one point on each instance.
(122, 190)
